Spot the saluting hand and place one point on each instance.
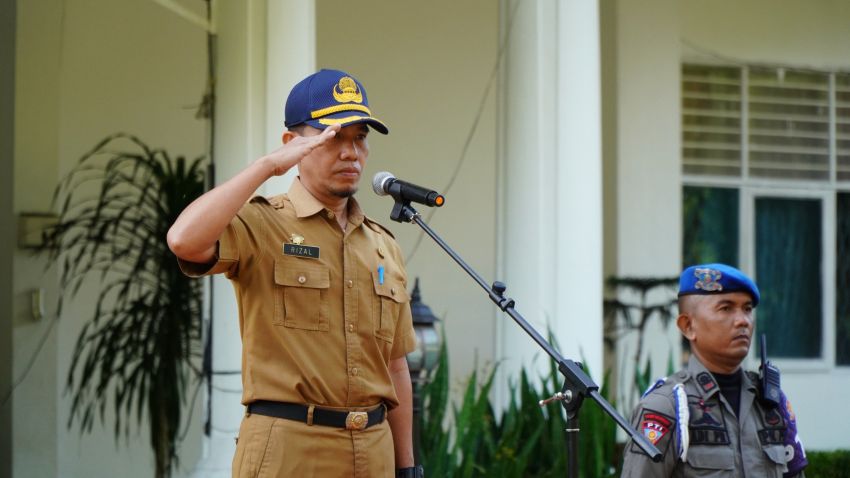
(295, 148)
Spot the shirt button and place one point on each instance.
(381, 251)
(392, 291)
(351, 327)
(302, 279)
(349, 283)
(330, 214)
(354, 371)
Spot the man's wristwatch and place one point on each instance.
(410, 472)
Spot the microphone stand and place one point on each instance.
(577, 384)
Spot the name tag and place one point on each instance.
(301, 251)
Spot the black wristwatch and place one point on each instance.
(410, 472)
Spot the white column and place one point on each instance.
(290, 57)
(550, 179)
(579, 175)
(264, 47)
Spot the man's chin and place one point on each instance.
(344, 192)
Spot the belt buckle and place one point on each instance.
(356, 420)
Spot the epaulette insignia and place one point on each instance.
(706, 382)
(655, 385)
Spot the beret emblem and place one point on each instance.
(708, 280)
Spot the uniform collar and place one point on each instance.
(706, 384)
(307, 205)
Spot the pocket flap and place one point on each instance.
(392, 288)
(776, 453)
(292, 272)
(711, 458)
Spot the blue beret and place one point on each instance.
(330, 97)
(705, 279)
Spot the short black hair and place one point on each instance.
(298, 128)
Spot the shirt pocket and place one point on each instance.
(774, 462)
(389, 296)
(711, 461)
(301, 294)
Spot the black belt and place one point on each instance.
(319, 416)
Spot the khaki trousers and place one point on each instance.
(271, 447)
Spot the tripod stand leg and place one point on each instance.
(572, 444)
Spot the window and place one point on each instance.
(766, 187)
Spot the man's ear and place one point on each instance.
(686, 325)
(288, 136)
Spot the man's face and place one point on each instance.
(719, 327)
(333, 170)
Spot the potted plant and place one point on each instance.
(140, 350)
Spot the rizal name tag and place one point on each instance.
(301, 250)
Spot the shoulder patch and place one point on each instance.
(655, 427)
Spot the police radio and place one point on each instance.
(768, 378)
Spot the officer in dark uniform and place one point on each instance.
(712, 418)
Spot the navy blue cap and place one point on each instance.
(706, 279)
(330, 97)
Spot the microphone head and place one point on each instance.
(378, 182)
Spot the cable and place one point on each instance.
(227, 390)
(31, 362)
(481, 105)
(191, 410)
(739, 62)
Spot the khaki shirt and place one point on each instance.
(720, 444)
(319, 323)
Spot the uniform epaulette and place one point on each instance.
(259, 198)
(654, 386)
(377, 227)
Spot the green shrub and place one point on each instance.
(524, 440)
(828, 464)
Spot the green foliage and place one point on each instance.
(828, 464)
(524, 440)
(622, 317)
(137, 351)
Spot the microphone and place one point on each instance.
(385, 183)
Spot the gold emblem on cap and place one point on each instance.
(296, 239)
(346, 91)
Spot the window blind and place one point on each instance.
(788, 124)
(711, 120)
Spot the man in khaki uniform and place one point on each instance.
(711, 419)
(324, 313)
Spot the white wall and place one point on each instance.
(648, 184)
(797, 33)
(802, 33)
(425, 66)
(85, 69)
(36, 160)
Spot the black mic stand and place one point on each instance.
(577, 384)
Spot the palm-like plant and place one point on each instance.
(139, 350)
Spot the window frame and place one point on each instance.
(750, 188)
